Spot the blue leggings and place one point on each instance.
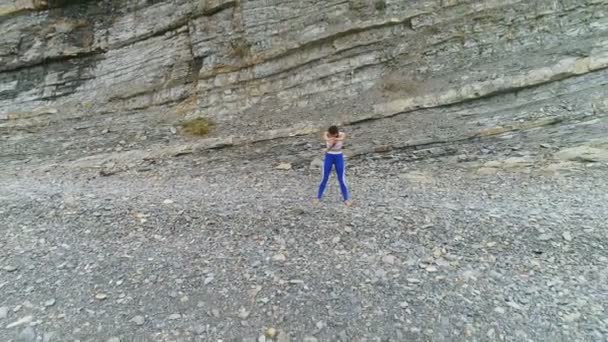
(338, 161)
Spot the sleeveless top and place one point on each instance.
(337, 149)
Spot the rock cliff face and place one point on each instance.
(110, 69)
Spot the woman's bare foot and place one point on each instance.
(316, 202)
(348, 203)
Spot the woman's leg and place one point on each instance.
(327, 164)
(340, 171)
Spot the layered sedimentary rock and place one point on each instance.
(257, 65)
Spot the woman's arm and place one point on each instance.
(341, 136)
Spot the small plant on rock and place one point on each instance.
(380, 5)
(197, 126)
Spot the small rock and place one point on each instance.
(283, 166)
(168, 201)
(388, 259)
(545, 237)
(279, 257)
(199, 330)
(271, 333)
(48, 337)
(316, 163)
(114, 339)
(19, 322)
(10, 268)
(215, 313)
(27, 335)
(208, 279)
(139, 320)
(431, 269)
(174, 316)
(499, 310)
(403, 305)
(572, 317)
(49, 302)
(283, 337)
(567, 236)
(243, 313)
(310, 339)
(437, 252)
(3, 312)
(101, 296)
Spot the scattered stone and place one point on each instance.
(208, 279)
(3, 312)
(48, 337)
(316, 163)
(310, 339)
(21, 321)
(515, 305)
(215, 313)
(101, 296)
(271, 333)
(499, 310)
(139, 320)
(10, 268)
(243, 313)
(27, 335)
(279, 257)
(431, 269)
(567, 236)
(114, 339)
(283, 166)
(388, 259)
(168, 201)
(575, 316)
(545, 237)
(49, 303)
(283, 336)
(403, 305)
(437, 252)
(174, 316)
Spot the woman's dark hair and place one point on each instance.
(333, 130)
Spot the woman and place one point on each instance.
(334, 140)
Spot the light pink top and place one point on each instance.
(337, 148)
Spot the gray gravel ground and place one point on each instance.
(209, 248)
